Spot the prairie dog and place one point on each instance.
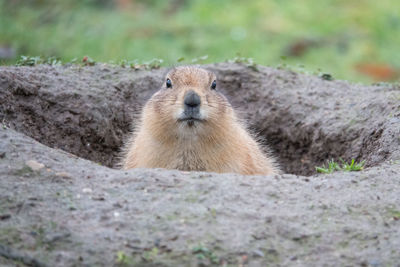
(188, 125)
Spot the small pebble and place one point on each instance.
(98, 198)
(34, 165)
(258, 253)
(87, 190)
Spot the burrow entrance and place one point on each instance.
(90, 113)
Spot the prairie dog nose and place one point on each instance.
(192, 99)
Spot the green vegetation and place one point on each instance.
(123, 259)
(353, 166)
(87, 61)
(32, 61)
(150, 255)
(394, 213)
(24, 171)
(203, 253)
(351, 40)
(334, 166)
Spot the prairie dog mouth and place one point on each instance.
(190, 120)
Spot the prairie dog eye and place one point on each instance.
(168, 83)
(214, 85)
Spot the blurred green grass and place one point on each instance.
(336, 36)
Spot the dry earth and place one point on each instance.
(62, 205)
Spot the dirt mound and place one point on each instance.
(59, 209)
(306, 120)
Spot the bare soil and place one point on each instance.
(63, 204)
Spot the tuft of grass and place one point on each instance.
(353, 166)
(333, 166)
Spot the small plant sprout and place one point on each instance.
(28, 61)
(353, 166)
(248, 62)
(155, 63)
(88, 61)
(33, 61)
(334, 166)
(201, 59)
(123, 259)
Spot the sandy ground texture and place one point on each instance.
(62, 205)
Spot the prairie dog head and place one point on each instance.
(188, 105)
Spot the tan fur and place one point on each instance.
(220, 143)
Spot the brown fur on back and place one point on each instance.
(220, 143)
